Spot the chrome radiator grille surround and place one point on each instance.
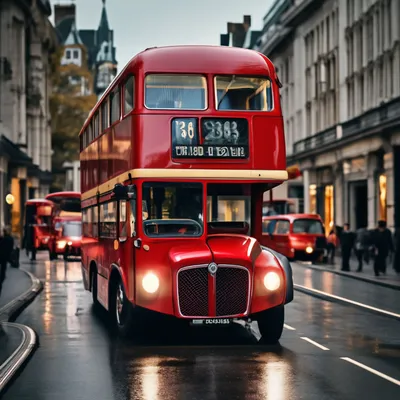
(231, 285)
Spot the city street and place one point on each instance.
(328, 350)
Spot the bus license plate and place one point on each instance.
(211, 321)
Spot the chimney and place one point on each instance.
(247, 21)
(63, 11)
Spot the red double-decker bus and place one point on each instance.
(175, 159)
(66, 209)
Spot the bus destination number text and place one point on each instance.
(205, 151)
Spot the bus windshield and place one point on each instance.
(72, 229)
(172, 209)
(309, 226)
(184, 92)
(243, 93)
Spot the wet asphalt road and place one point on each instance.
(355, 290)
(79, 358)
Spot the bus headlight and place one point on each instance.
(61, 244)
(309, 250)
(150, 283)
(272, 281)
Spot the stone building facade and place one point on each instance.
(27, 39)
(339, 62)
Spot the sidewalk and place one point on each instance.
(391, 279)
(16, 341)
(16, 283)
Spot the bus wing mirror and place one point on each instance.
(120, 192)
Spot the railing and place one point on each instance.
(320, 139)
(384, 114)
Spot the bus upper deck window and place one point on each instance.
(243, 93)
(184, 92)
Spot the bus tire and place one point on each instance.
(121, 309)
(270, 324)
(93, 281)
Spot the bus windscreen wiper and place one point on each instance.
(226, 90)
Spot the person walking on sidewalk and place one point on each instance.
(332, 243)
(362, 247)
(6, 249)
(347, 244)
(382, 242)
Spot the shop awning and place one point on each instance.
(11, 151)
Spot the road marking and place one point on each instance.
(289, 328)
(379, 310)
(373, 371)
(314, 343)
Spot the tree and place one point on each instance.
(70, 103)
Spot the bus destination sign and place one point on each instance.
(221, 138)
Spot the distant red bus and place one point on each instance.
(66, 207)
(175, 159)
(37, 226)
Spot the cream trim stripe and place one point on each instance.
(212, 174)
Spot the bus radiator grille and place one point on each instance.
(192, 292)
(232, 291)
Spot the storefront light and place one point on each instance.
(10, 199)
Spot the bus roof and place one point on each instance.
(41, 202)
(293, 217)
(57, 197)
(193, 59)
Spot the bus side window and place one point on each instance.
(95, 225)
(108, 220)
(122, 221)
(129, 95)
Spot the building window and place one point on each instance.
(76, 54)
(382, 197)
(313, 198)
(68, 54)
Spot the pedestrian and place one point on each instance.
(6, 249)
(346, 244)
(396, 258)
(383, 247)
(332, 242)
(361, 247)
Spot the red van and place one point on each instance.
(296, 236)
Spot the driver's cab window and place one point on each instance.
(172, 209)
(282, 227)
(229, 208)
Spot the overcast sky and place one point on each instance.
(139, 24)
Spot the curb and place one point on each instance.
(358, 278)
(14, 307)
(17, 359)
(337, 299)
(9, 312)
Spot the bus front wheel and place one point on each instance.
(122, 310)
(270, 324)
